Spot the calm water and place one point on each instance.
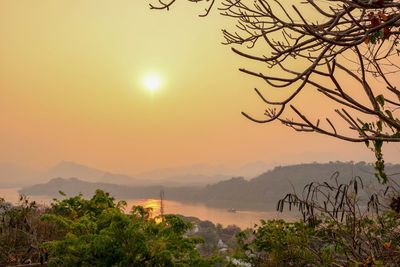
(242, 219)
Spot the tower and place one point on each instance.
(162, 204)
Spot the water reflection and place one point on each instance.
(153, 204)
(242, 219)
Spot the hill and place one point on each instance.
(259, 193)
(263, 192)
(12, 175)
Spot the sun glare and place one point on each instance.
(152, 82)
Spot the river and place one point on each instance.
(243, 219)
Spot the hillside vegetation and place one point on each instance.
(259, 193)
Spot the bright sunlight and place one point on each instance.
(152, 82)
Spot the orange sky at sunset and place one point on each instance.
(71, 88)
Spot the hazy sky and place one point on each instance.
(71, 89)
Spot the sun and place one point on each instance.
(152, 82)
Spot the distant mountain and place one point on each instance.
(72, 169)
(74, 186)
(202, 174)
(194, 175)
(66, 169)
(263, 191)
(259, 193)
(208, 171)
(15, 176)
(189, 180)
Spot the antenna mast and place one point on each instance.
(162, 204)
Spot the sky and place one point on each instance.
(71, 88)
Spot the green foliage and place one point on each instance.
(342, 227)
(22, 232)
(218, 240)
(380, 163)
(99, 233)
(377, 128)
(277, 243)
(284, 241)
(366, 242)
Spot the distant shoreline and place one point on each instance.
(242, 218)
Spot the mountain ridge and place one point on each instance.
(260, 193)
(12, 175)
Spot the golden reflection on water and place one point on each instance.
(153, 204)
(242, 219)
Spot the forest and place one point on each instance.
(335, 231)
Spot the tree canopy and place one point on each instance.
(94, 232)
(99, 233)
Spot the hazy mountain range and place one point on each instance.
(12, 175)
(259, 193)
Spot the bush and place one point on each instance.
(99, 233)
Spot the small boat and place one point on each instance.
(232, 210)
